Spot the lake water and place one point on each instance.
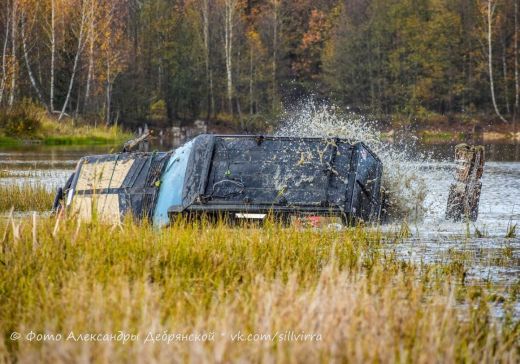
(433, 238)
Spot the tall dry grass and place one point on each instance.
(25, 197)
(58, 277)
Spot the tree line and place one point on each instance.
(160, 61)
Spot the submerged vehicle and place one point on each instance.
(238, 176)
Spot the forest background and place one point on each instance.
(243, 62)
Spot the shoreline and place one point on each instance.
(442, 136)
(474, 133)
(61, 141)
(427, 137)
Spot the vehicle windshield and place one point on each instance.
(172, 183)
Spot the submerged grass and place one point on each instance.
(25, 197)
(63, 276)
(511, 230)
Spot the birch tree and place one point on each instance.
(490, 12)
(53, 54)
(79, 50)
(4, 50)
(14, 59)
(276, 15)
(112, 46)
(504, 73)
(205, 12)
(517, 83)
(230, 7)
(91, 41)
(28, 63)
(28, 14)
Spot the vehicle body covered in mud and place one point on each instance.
(233, 175)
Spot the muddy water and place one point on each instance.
(481, 247)
(487, 257)
(499, 205)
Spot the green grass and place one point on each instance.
(8, 141)
(46, 129)
(109, 138)
(83, 140)
(25, 197)
(440, 136)
(62, 276)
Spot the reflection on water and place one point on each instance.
(49, 166)
(494, 260)
(499, 201)
(499, 152)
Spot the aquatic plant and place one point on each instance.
(511, 230)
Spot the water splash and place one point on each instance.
(403, 181)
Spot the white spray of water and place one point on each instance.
(403, 182)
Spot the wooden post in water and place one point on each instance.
(465, 191)
(131, 144)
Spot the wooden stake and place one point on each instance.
(464, 193)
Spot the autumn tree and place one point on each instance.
(122, 60)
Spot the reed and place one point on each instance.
(511, 230)
(62, 276)
(25, 197)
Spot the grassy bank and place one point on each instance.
(226, 283)
(29, 123)
(69, 133)
(66, 134)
